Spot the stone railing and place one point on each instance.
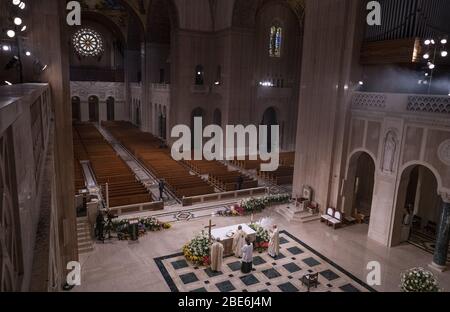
(402, 103)
(188, 201)
(136, 208)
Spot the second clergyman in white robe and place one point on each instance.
(216, 256)
(238, 242)
(274, 243)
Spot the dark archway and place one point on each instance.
(110, 108)
(197, 112)
(93, 109)
(76, 109)
(418, 208)
(269, 119)
(217, 118)
(359, 187)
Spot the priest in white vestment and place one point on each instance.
(247, 257)
(239, 242)
(274, 243)
(216, 256)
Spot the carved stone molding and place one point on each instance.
(103, 90)
(444, 152)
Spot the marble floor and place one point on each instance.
(131, 266)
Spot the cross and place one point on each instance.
(209, 227)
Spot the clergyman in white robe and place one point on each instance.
(216, 256)
(274, 243)
(239, 242)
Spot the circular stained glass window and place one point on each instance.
(88, 42)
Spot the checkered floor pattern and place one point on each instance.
(269, 275)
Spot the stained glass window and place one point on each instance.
(276, 34)
(88, 42)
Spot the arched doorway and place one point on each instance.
(138, 113)
(360, 187)
(217, 118)
(76, 109)
(418, 208)
(93, 109)
(198, 112)
(110, 108)
(269, 120)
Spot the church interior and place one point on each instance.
(355, 99)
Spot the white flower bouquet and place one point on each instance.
(419, 280)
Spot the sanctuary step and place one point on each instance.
(291, 214)
(84, 237)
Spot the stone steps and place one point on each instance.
(297, 216)
(85, 244)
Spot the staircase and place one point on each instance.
(84, 237)
(292, 214)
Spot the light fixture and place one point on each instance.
(22, 5)
(346, 87)
(432, 41)
(18, 21)
(444, 41)
(426, 74)
(28, 53)
(361, 83)
(444, 53)
(5, 48)
(8, 83)
(426, 56)
(217, 83)
(431, 66)
(11, 33)
(45, 67)
(24, 28)
(16, 2)
(199, 73)
(427, 42)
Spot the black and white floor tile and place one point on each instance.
(269, 275)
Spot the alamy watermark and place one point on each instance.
(74, 15)
(236, 142)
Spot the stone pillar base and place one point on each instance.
(438, 267)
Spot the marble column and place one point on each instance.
(443, 238)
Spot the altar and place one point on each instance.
(226, 236)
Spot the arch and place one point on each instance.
(269, 119)
(199, 75)
(245, 12)
(110, 108)
(217, 117)
(411, 215)
(196, 112)
(161, 20)
(359, 184)
(76, 109)
(93, 108)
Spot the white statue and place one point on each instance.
(390, 147)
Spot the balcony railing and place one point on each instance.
(401, 103)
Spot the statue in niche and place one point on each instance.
(390, 147)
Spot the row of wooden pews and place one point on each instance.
(109, 168)
(220, 176)
(283, 175)
(158, 160)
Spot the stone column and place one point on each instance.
(443, 237)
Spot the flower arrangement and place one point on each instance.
(419, 280)
(197, 250)
(145, 225)
(254, 205)
(262, 237)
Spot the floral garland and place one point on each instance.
(254, 205)
(145, 225)
(262, 237)
(197, 250)
(419, 280)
